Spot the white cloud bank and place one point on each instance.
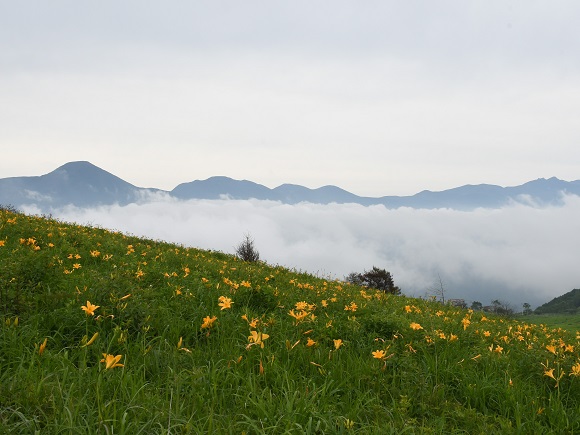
(516, 254)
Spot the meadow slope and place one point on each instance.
(103, 332)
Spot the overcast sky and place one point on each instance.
(377, 97)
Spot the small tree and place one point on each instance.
(375, 278)
(476, 306)
(246, 250)
(439, 289)
(502, 308)
(527, 309)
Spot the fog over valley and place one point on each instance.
(516, 254)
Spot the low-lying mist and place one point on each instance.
(515, 254)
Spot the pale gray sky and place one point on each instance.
(377, 97)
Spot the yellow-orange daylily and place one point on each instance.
(225, 302)
(351, 307)
(90, 308)
(550, 373)
(112, 361)
(575, 370)
(299, 315)
(302, 305)
(43, 346)
(337, 343)
(415, 326)
(254, 323)
(256, 337)
(208, 322)
(465, 322)
(379, 354)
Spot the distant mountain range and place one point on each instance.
(83, 184)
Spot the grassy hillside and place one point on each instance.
(571, 322)
(568, 303)
(106, 333)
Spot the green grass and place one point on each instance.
(440, 369)
(571, 322)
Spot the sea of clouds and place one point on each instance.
(519, 253)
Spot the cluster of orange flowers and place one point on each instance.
(502, 340)
(224, 302)
(428, 323)
(351, 307)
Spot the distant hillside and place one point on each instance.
(568, 303)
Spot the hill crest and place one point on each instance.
(568, 303)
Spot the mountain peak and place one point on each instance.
(82, 166)
(84, 173)
(78, 163)
(79, 183)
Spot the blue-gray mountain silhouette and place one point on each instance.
(78, 183)
(538, 192)
(84, 185)
(224, 187)
(221, 187)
